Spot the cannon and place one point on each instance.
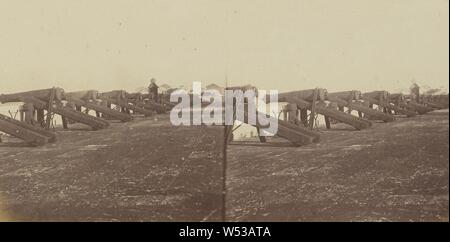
(297, 135)
(350, 99)
(120, 98)
(382, 100)
(313, 100)
(89, 100)
(50, 100)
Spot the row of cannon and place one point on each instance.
(39, 107)
(300, 113)
(352, 108)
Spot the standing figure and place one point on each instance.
(153, 90)
(414, 89)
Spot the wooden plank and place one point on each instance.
(401, 110)
(433, 105)
(151, 105)
(26, 134)
(102, 109)
(50, 135)
(297, 135)
(349, 119)
(397, 108)
(420, 109)
(124, 104)
(94, 122)
(374, 114)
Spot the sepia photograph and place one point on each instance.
(224, 111)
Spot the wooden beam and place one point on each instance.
(125, 104)
(295, 134)
(433, 105)
(94, 122)
(50, 135)
(159, 108)
(349, 119)
(102, 109)
(374, 114)
(420, 109)
(26, 134)
(397, 108)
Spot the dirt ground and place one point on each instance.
(394, 171)
(144, 170)
(147, 170)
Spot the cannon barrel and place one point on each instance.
(383, 95)
(135, 96)
(83, 95)
(396, 96)
(306, 95)
(346, 95)
(43, 94)
(117, 94)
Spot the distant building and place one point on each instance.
(165, 88)
(216, 87)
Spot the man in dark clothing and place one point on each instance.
(153, 90)
(414, 89)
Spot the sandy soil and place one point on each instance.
(391, 172)
(144, 170)
(147, 170)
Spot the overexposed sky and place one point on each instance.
(273, 44)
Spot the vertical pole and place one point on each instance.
(29, 113)
(304, 116)
(297, 117)
(21, 113)
(49, 108)
(40, 116)
(224, 174)
(313, 109)
(327, 122)
(64, 122)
